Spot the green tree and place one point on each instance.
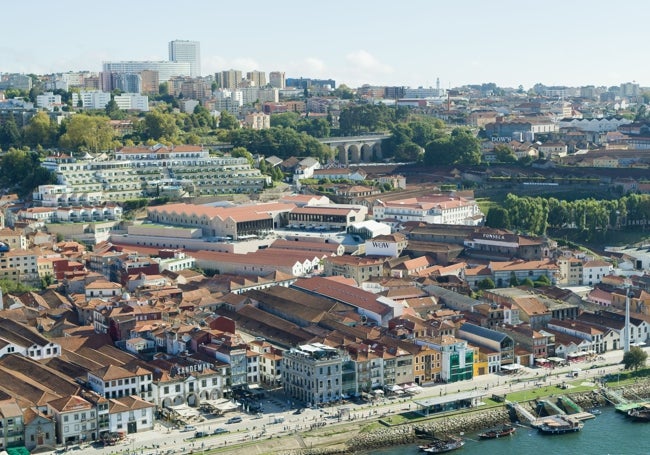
(113, 111)
(528, 283)
(227, 121)
(316, 127)
(462, 147)
(635, 358)
(486, 283)
(542, 281)
(286, 120)
(344, 92)
(21, 171)
(9, 133)
(159, 125)
(85, 132)
(504, 154)
(40, 131)
(241, 152)
(498, 218)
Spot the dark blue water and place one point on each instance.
(611, 433)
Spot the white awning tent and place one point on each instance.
(394, 388)
(378, 392)
(222, 405)
(184, 411)
(511, 367)
(541, 360)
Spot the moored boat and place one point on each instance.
(504, 431)
(559, 425)
(442, 446)
(641, 414)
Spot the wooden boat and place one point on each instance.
(560, 425)
(504, 431)
(442, 446)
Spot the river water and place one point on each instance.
(611, 433)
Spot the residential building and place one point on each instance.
(456, 357)
(258, 121)
(132, 102)
(75, 420)
(358, 268)
(257, 77)
(187, 52)
(113, 381)
(91, 99)
(312, 373)
(12, 425)
(130, 415)
(277, 79)
(229, 79)
(594, 271)
(165, 70)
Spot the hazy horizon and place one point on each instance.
(412, 43)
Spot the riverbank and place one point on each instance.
(351, 438)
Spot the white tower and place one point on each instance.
(626, 339)
(186, 51)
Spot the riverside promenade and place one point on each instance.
(324, 428)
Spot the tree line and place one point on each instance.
(535, 215)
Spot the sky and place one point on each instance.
(355, 42)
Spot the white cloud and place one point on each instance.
(361, 67)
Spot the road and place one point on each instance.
(165, 440)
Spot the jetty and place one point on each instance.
(560, 420)
(621, 404)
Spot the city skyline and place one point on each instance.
(354, 43)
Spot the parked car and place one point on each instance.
(220, 431)
(235, 419)
(189, 428)
(200, 434)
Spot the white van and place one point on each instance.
(189, 428)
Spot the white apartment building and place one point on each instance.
(48, 100)
(113, 381)
(132, 102)
(91, 100)
(434, 209)
(312, 373)
(62, 195)
(594, 271)
(130, 415)
(187, 52)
